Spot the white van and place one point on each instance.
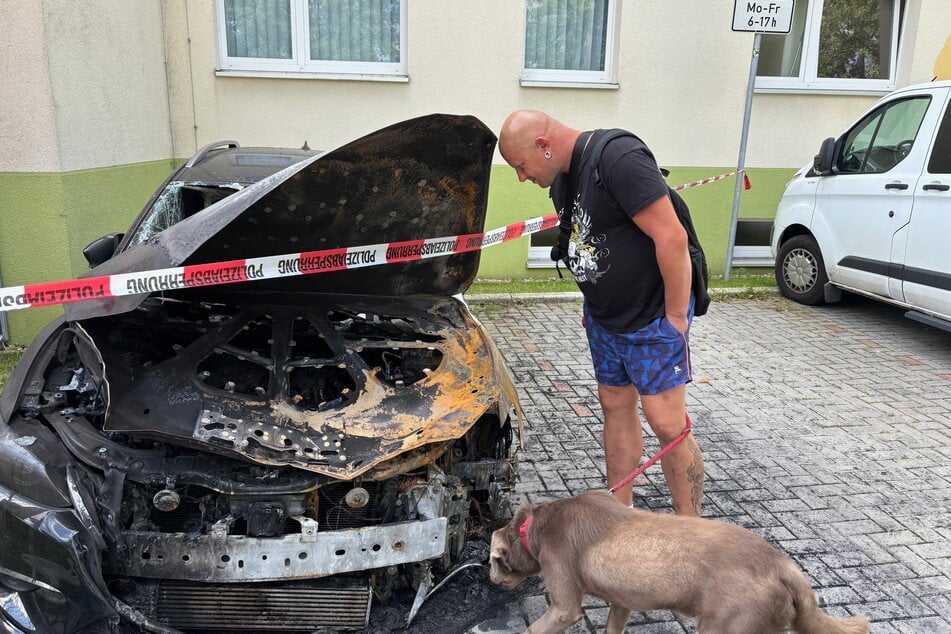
(872, 213)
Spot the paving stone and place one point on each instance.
(533, 607)
(931, 625)
(826, 430)
(508, 624)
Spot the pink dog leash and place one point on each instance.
(523, 529)
(660, 454)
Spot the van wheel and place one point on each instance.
(800, 271)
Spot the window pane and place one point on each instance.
(885, 138)
(781, 55)
(566, 34)
(546, 238)
(856, 39)
(901, 122)
(855, 148)
(355, 30)
(941, 154)
(258, 28)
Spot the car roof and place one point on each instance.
(227, 162)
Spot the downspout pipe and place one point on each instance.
(4, 327)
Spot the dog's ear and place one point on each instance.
(500, 557)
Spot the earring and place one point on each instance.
(547, 154)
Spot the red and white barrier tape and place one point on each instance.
(713, 179)
(273, 266)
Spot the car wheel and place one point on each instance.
(800, 271)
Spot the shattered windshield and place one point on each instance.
(179, 201)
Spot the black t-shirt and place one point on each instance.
(613, 261)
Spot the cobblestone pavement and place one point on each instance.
(826, 430)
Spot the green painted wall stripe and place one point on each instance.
(47, 219)
(711, 206)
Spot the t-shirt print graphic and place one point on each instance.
(587, 259)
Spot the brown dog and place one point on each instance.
(731, 580)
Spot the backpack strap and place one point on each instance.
(598, 149)
(560, 250)
(610, 135)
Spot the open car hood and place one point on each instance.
(423, 178)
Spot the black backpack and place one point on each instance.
(698, 260)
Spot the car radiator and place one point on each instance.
(223, 608)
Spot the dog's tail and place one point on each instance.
(809, 618)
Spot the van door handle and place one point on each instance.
(896, 185)
(941, 187)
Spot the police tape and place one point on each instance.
(713, 179)
(275, 266)
(263, 268)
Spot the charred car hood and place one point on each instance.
(422, 178)
(339, 385)
(364, 372)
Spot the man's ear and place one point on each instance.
(542, 142)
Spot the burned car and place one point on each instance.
(276, 454)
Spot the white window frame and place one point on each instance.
(545, 77)
(300, 64)
(539, 258)
(808, 81)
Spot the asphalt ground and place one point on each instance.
(826, 430)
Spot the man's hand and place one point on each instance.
(679, 322)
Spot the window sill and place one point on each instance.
(533, 83)
(813, 90)
(539, 258)
(279, 74)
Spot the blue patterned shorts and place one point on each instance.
(655, 358)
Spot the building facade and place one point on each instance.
(102, 98)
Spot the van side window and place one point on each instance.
(883, 139)
(940, 162)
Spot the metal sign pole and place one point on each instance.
(741, 161)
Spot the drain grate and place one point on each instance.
(197, 607)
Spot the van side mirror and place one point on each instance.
(101, 249)
(822, 163)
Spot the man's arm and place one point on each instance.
(659, 221)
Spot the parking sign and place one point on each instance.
(757, 16)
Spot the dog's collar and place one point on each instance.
(523, 533)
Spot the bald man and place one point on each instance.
(628, 254)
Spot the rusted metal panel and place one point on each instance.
(236, 557)
(368, 418)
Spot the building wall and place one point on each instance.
(101, 96)
(85, 133)
(471, 65)
(682, 75)
(84, 85)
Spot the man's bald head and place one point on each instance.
(522, 127)
(537, 145)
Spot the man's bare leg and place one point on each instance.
(623, 436)
(683, 466)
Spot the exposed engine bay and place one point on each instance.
(207, 447)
